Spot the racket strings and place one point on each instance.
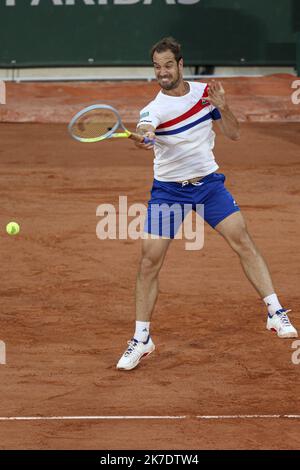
(94, 124)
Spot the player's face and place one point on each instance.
(167, 71)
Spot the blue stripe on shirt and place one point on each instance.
(215, 114)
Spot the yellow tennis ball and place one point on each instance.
(13, 228)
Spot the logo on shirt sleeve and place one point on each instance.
(143, 115)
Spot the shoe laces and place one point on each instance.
(284, 319)
(131, 347)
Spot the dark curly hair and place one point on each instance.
(167, 44)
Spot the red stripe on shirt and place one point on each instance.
(195, 109)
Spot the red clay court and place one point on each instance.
(218, 379)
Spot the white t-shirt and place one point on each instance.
(184, 134)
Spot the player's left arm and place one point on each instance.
(228, 123)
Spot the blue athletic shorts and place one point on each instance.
(217, 202)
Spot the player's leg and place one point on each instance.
(165, 214)
(141, 345)
(153, 255)
(223, 214)
(233, 229)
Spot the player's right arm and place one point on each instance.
(146, 130)
(148, 122)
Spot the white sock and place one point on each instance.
(142, 330)
(272, 303)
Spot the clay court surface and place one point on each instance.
(67, 301)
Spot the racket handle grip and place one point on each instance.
(148, 141)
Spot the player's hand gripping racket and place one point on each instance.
(100, 122)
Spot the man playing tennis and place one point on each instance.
(180, 119)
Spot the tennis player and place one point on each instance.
(181, 118)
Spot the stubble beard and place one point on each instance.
(171, 85)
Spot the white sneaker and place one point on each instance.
(281, 324)
(134, 353)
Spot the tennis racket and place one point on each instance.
(99, 122)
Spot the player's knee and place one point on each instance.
(149, 266)
(243, 244)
